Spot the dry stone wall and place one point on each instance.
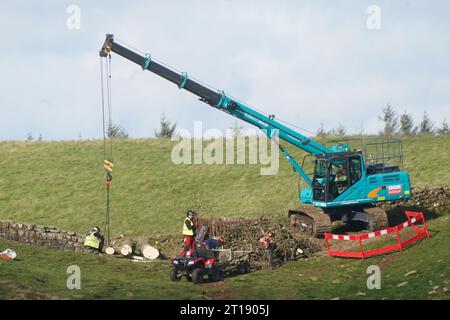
(42, 236)
(437, 198)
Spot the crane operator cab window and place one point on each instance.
(319, 182)
(339, 177)
(344, 173)
(333, 176)
(355, 170)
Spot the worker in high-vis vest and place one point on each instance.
(189, 232)
(94, 240)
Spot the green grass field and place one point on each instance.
(40, 273)
(62, 184)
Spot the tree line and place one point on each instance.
(397, 124)
(393, 124)
(167, 130)
(403, 124)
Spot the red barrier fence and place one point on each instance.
(413, 217)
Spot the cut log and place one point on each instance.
(123, 246)
(150, 253)
(109, 250)
(125, 250)
(147, 251)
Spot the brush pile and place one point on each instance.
(244, 234)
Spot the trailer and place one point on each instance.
(234, 261)
(214, 263)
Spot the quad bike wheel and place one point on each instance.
(215, 276)
(197, 276)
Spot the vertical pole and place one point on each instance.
(361, 248)
(108, 183)
(398, 239)
(425, 225)
(328, 246)
(107, 214)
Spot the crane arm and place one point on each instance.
(222, 102)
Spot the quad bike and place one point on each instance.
(195, 265)
(215, 263)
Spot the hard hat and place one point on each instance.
(190, 213)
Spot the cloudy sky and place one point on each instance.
(308, 62)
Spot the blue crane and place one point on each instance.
(345, 185)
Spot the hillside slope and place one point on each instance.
(62, 183)
(419, 272)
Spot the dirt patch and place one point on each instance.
(428, 199)
(221, 291)
(388, 259)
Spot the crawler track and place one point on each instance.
(377, 218)
(311, 221)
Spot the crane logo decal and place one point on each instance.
(396, 189)
(391, 190)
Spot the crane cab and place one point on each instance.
(344, 178)
(335, 174)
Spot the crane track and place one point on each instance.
(377, 218)
(311, 221)
(315, 222)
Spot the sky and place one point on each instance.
(307, 62)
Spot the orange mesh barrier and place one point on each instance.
(412, 218)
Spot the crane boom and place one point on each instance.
(224, 103)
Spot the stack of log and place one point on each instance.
(137, 249)
(242, 233)
(437, 198)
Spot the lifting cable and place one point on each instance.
(107, 135)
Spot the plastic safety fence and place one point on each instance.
(413, 218)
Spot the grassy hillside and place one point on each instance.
(62, 184)
(40, 273)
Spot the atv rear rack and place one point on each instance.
(232, 256)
